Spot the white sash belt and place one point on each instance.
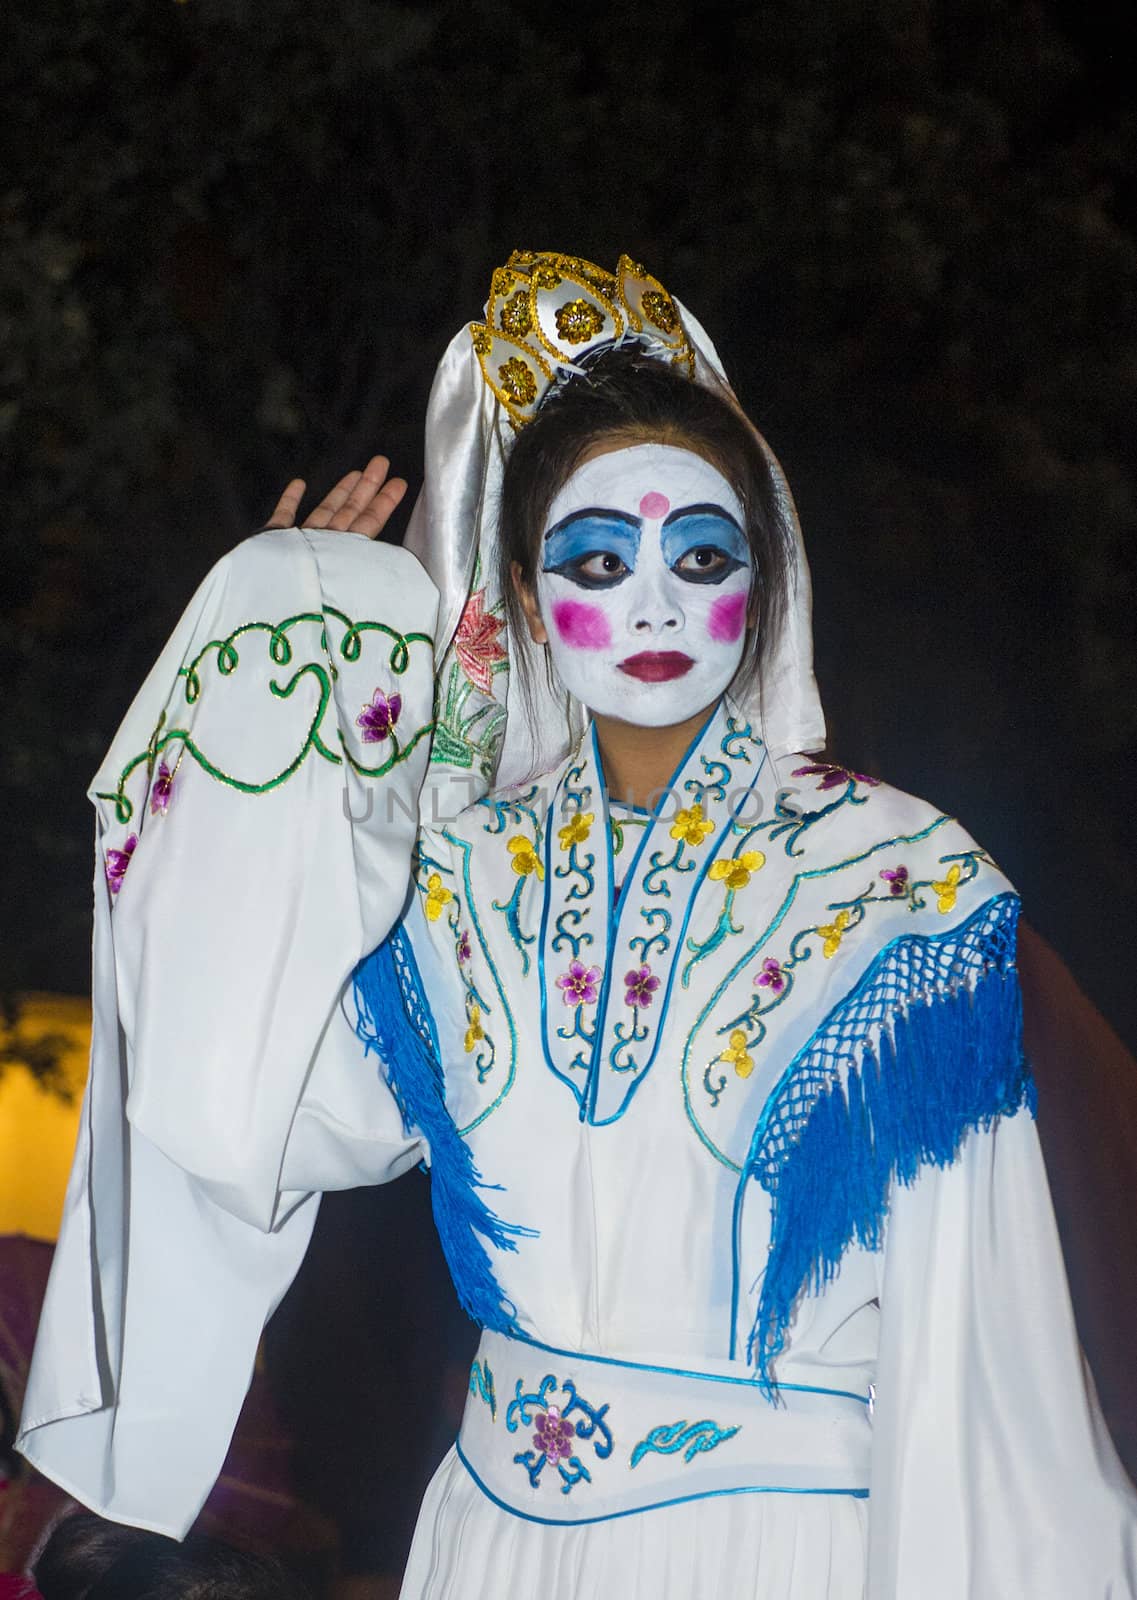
(559, 1436)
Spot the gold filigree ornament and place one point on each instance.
(515, 317)
(578, 321)
(517, 374)
(653, 311)
(547, 310)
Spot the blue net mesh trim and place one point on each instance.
(415, 1003)
(913, 970)
(394, 1021)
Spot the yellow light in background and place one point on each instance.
(37, 1127)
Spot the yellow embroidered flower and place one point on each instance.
(945, 889)
(735, 871)
(525, 859)
(437, 896)
(691, 826)
(833, 932)
(475, 1031)
(737, 1055)
(575, 830)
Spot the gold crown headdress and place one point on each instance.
(546, 311)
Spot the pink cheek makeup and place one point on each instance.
(727, 618)
(582, 626)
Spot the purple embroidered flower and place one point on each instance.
(379, 716)
(897, 879)
(161, 790)
(463, 947)
(554, 1435)
(580, 985)
(833, 776)
(117, 863)
(771, 976)
(641, 985)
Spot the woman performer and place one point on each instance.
(713, 1048)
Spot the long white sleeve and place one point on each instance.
(993, 1475)
(254, 837)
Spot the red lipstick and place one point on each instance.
(657, 666)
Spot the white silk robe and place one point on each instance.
(666, 1194)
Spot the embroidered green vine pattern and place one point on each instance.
(619, 826)
(466, 737)
(378, 720)
(774, 981)
(469, 720)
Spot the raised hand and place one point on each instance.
(361, 502)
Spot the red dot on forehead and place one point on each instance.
(654, 505)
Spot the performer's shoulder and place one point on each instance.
(864, 805)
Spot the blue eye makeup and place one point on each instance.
(596, 549)
(704, 544)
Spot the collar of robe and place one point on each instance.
(609, 964)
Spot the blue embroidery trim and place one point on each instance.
(482, 1384)
(395, 1022)
(847, 1119)
(512, 910)
(592, 1423)
(691, 1437)
(581, 794)
(747, 1382)
(638, 1511)
(472, 912)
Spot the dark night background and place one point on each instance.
(236, 238)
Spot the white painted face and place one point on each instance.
(644, 583)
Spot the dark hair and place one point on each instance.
(89, 1558)
(626, 395)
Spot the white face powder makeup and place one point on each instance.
(644, 583)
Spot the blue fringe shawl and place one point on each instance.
(848, 1119)
(395, 1021)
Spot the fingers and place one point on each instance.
(330, 505)
(374, 519)
(284, 512)
(361, 502)
(368, 485)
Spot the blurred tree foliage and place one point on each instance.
(235, 238)
(41, 1054)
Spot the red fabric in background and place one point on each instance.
(15, 1588)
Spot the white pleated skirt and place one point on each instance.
(729, 1547)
